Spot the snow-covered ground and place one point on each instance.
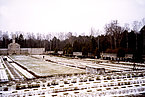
(123, 83)
(85, 62)
(79, 86)
(1, 63)
(3, 74)
(44, 68)
(24, 72)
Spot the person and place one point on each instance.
(118, 59)
(134, 66)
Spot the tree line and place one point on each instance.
(116, 38)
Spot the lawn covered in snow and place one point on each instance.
(44, 68)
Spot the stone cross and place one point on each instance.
(13, 38)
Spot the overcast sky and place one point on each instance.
(67, 15)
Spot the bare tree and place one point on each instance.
(75, 34)
(0, 35)
(70, 38)
(136, 26)
(39, 38)
(97, 34)
(92, 33)
(143, 22)
(61, 36)
(5, 35)
(113, 30)
(30, 39)
(126, 27)
(49, 38)
(68, 35)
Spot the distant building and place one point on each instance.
(14, 49)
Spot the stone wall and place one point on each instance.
(24, 51)
(33, 51)
(77, 53)
(113, 55)
(3, 51)
(36, 51)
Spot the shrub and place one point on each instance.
(121, 52)
(56, 50)
(97, 53)
(85, 51)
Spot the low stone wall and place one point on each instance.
(33, 51)
(36, 51)
(77, 53)
(113, 55)
(3, 51)
(23, 52)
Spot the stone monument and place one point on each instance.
(13, 48)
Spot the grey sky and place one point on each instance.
(67, 15)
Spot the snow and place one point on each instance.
(1, 65)
(86, 62)
(24, 72)
(103, 88)
(109, 84)
(3, 75)
(45, 68)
